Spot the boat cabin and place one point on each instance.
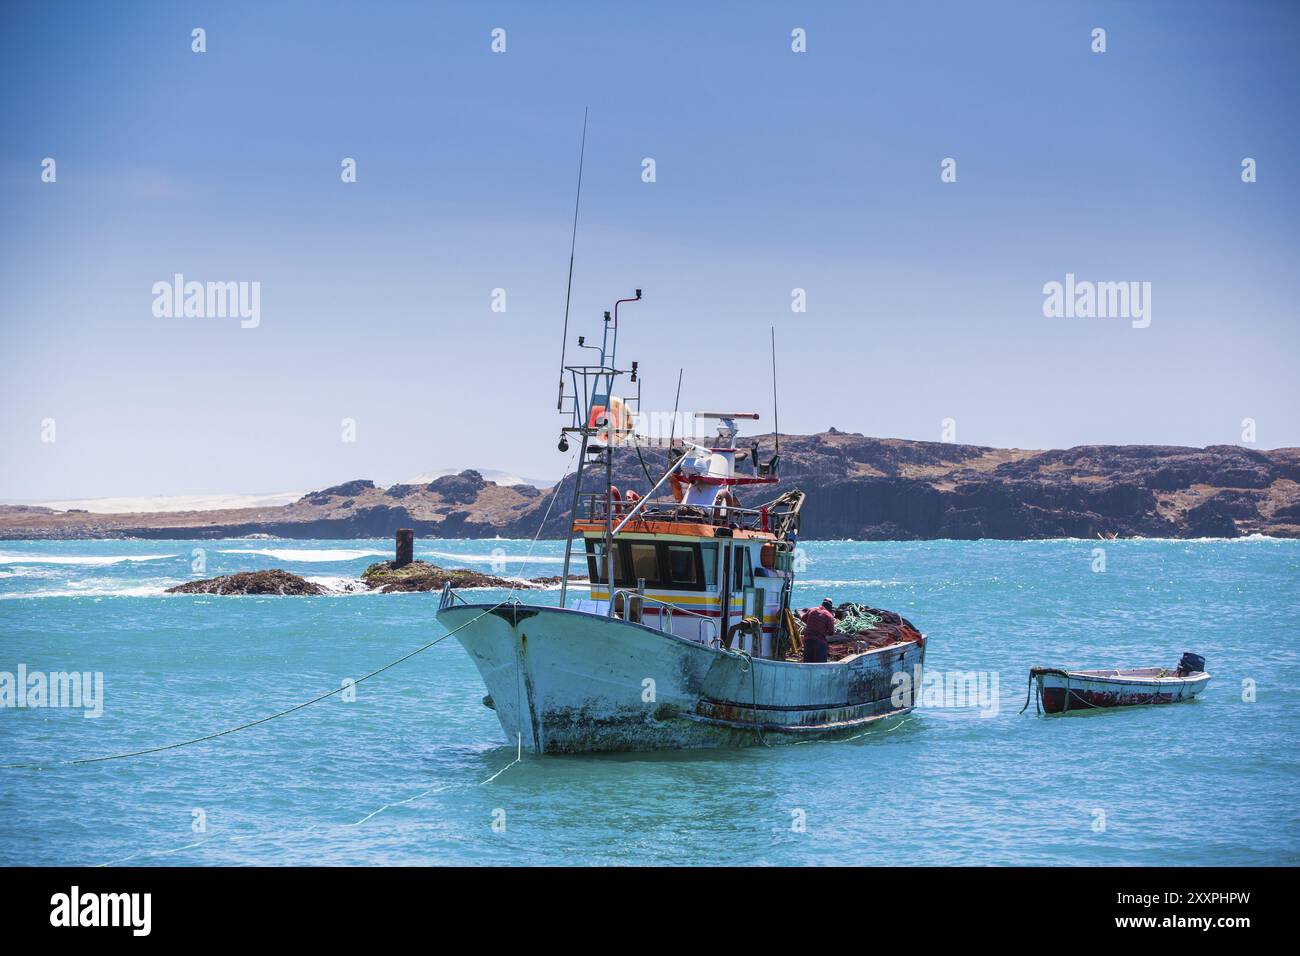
(697, 565)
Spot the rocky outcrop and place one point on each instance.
(274, 581)
(382, 577)
(890, 489)
(459, 489)
(349, 489)
(858, 487)
(422, 576)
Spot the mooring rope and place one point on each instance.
(1028, 693)
(237, 837)
(315, 700)
(753, 693)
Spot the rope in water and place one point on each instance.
(315, 700)
(1028, 693)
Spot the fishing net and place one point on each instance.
(855, 619)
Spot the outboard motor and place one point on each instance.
(1190, 664)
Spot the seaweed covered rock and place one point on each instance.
(422, 576)
(552, 580)
(274, 581)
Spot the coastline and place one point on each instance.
(860, 488)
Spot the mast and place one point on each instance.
(573, 243)
(593, 388)
(776, 418)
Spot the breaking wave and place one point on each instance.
(102, 589)
(340, 585)
(89, 559)
(505, 558)
(309, 554)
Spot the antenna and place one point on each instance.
(573, 242)
(776, 420)
(672, 426)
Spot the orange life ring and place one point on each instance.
(678, 484)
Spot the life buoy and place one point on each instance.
(616, 500)
(678, 484)
(609, 422)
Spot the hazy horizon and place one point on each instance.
(775, 171)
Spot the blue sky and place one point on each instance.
(775, 171)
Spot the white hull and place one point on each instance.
(565, 681)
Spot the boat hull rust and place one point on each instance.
(564, 681)
(1073, 691)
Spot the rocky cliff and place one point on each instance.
(858, 487)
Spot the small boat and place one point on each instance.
(1061, 691)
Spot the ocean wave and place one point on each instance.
(90, 559)
(309, 554)
(340, 585)
(100, 591)
(26, 572)
(871, 583)
(503, 558)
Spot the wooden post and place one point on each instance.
(405, 547)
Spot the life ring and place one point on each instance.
(678, 484)
(615, 500)
(631, 499)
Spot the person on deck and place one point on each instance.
(818, 626)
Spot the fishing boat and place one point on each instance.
(1061, 691)
(687, 637)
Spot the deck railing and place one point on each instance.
(665, 616)
(592, 508)
(449, 597)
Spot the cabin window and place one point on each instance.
(709, 553)
(681, 565)
(743, 576)
(645, 562)
(596, 563)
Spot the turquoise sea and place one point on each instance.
(416, 770)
